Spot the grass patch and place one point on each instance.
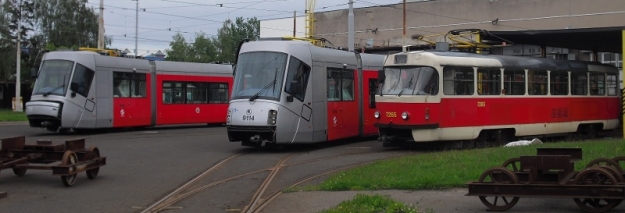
(449, 169)
(371, 204)
(9, 115)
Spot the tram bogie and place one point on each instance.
(294, 92)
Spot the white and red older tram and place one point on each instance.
(83, 90)
(450, 96)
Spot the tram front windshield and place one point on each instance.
(53, 77)
(410, 81)
(259, 75)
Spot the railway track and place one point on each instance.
(263, 194)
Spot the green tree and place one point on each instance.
(17, 18)
(7, 49)
(68, 23)
(231, 33)
(179, 49)
(203, 50)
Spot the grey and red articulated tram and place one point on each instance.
(83, 90)
(431, 96)
(294, 92)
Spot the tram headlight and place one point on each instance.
(272, 118)
(376, 114)
(229, 116)
(404, 115)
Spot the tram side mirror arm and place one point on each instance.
(381, 76)
(73, 87)
(33, 73)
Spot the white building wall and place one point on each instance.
(282, 27)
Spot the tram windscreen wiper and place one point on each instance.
(255, 96)
(52, 90)
(409, 84)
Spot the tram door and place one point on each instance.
(299, 101)
(82, 95)
(343, 115)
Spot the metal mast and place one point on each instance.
(101, 26)
(350, 26)
(18, 98)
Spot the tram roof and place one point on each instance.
(603, 39)
(526, 62)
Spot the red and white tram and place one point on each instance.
(450, 96)
(84, 90)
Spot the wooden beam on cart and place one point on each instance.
(623, 70)
(3, 195)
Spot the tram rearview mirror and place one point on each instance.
(33, 73)
(381, 76)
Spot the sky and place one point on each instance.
(159, 20)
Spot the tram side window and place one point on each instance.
(579, 83)
(488, 81)
(340, 84)
(218, 93)
(297, 79)
(611, 84)
(127, 85)
(81, 81)
(197, 93)
(458, 80)
(537, 82)
(559, 82)
(597, 84)
(138, 85)
(167, 92)
(514, 82)
(373, 89)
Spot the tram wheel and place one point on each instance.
(69, 158)
(52, 128)
(595, 176)
(498, 175)
(19, 172)
(95, 153)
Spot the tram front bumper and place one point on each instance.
(245, 133)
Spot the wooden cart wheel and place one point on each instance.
(620, 160)
(605, 162)
(69, 158)
(595, 176)
(498, 175)
(19, 172)
(95, 153)
(513, 164)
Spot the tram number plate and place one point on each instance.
(481, 104)
(391, 114)
(248, 118)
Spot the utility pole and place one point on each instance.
(404, 26)
(101, 26)
(350, 27)
(18, 98)
(137, 30)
